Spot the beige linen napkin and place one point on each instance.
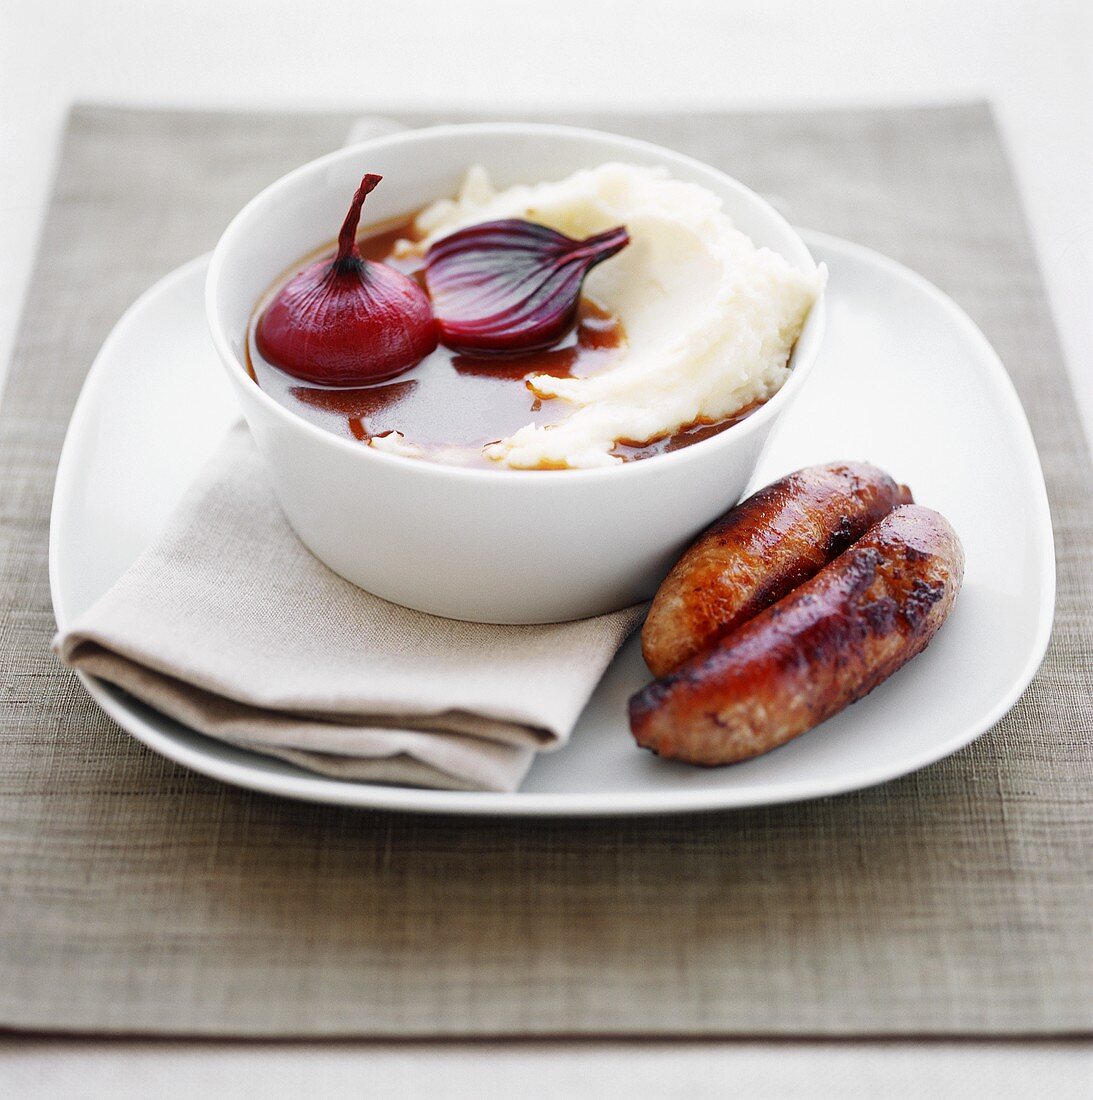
(228, 624)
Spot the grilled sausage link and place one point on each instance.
(822, 647)
(760, 550)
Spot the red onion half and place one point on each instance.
(511, 286)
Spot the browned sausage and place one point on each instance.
(822, 647)
(760, 550)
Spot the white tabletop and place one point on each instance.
(688, 1070)
(1031, 58)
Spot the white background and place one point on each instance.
(1032, 59)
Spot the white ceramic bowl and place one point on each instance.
(503, 545)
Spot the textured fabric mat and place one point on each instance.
(138, 897)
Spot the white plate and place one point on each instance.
(905, 380)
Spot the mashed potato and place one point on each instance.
(710, 319)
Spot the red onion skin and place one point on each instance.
(347, 321)
(347, 329)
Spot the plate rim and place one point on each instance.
(322, 789)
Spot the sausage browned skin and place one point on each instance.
(817, 650)
(760, 550)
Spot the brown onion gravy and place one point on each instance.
(452, 405)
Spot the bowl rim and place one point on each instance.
(236, 370)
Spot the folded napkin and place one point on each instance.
(228, 624)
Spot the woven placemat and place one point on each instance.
(138, 897)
